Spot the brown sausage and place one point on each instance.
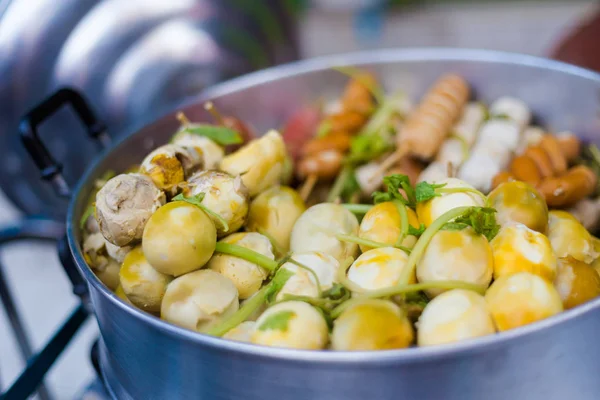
(501, 178)
(339, 141)
(578, 183)
(541, 159)
(552, 148)
(570, 145)
(525, 169)
(324, 165)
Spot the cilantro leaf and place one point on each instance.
(416, 231)
(281, 277)
(278, 321)
(218, 134)
(197, 201)
(481, 219)
(426, 191)
(394, 183)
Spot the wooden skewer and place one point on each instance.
(450, 170)
(388, 163)
(182, 118)
(210, 107)
(308, 186)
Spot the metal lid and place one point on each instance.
(130, 73)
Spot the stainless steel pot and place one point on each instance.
(146, 358)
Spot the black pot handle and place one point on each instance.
(28, 129)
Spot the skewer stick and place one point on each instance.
(182, 118)
(308, 186)
(388, 163)
(450, 170)
(210, 107)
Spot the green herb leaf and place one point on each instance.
(416, 231)
(337, 292)
(86, 214)
(218, 134)
(281, 277)
(278, 321)
(364, 148)
(351, 186)
(393, 184)
(454, 226)
(481, 219)
(426, 191)
(197, 201)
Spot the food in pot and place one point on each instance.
(143, 285)
(124, 205)
(454, 316)
(274, 213)
(199, 300)
(372, 325)
(224, 195)
(458, 255)
(245, 275)
(179, 238)
(375, 228)
(517, 248)
(520, 299)
(293, 324)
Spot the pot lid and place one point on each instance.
(137, 85)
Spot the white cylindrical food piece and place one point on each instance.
(317, 227)
(436, 171)
(499, 132)
(531, 136)
(513, 108)
(452, 151)
(365, 176)
(468, 126)
(479, 170)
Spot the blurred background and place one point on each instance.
(134, 60)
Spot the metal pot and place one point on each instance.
(145, 358)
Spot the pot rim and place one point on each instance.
(364, 358)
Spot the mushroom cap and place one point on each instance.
(313, 231)
(199, 300)
(224, 195)
(453, 316)
(520, 299)
(382, 224)
(291, 324)
(372, 325)
(245, 275)
(457, 255)
(179, 238)
(124, 205)
(274, 212)
(379, 268)
(517, 248)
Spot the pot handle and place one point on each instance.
(28, 130)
